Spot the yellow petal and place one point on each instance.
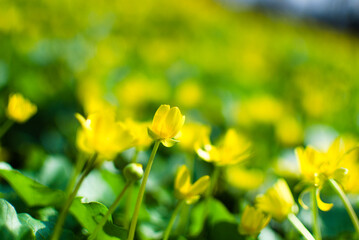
(159, 118)
(19, 108)
(204, 154)
(173, 123)
(322, 205)
(182, 181)
(81, 119)
(200, 186)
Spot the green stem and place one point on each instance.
(109, 212)
(316, 228)
(214, 181)
(172, 220)
(76, 172)
(7, 124)
(346, 203)
(132, 230)
(61, 219)
(135, 156)
(209, 193)
(129, 195)
(300, 227)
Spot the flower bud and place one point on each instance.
(133, 172)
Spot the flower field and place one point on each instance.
(187, 120)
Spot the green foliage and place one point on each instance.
(216, 212)
(33, 193)
(11, 228)
(90, 214)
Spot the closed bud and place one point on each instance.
(133, 172)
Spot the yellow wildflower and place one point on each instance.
(277, 201)
(317, 167)
(101, 134)
(166, 125)
(20, 109)
(231, 149)
(189, 94)
(191, 134)
(289, 131)
(253, 221)
(184, 190)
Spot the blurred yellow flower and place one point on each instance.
(140, 90)
(231, 149)
(139, 133)
(253, 221)
(264, 109)
(289, 131)
(192, 133)
(101, 134)
(184, 190)
(189, 94)
(19, 108)
(166, 125)
(277, 201)
(246, 179)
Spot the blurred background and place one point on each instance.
(283, 73)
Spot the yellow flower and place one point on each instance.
(277, 201)
(139, 133)
(289, 131)
(317, 167)
(184, 190)
(191, 134)
(232, 149)
(20, 109)
(253, 221)
(166, 125)
(101, 134)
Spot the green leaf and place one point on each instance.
(24, 227)
(10, 226)
(217, 213)
(90, 214)
(39, 228)
(32, 192)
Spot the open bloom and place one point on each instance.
(231, 149)
(317, 167)
(166, 125)
(277, 201)
(185, 190)
(253, 221)
(101, 134)
(20, 109)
